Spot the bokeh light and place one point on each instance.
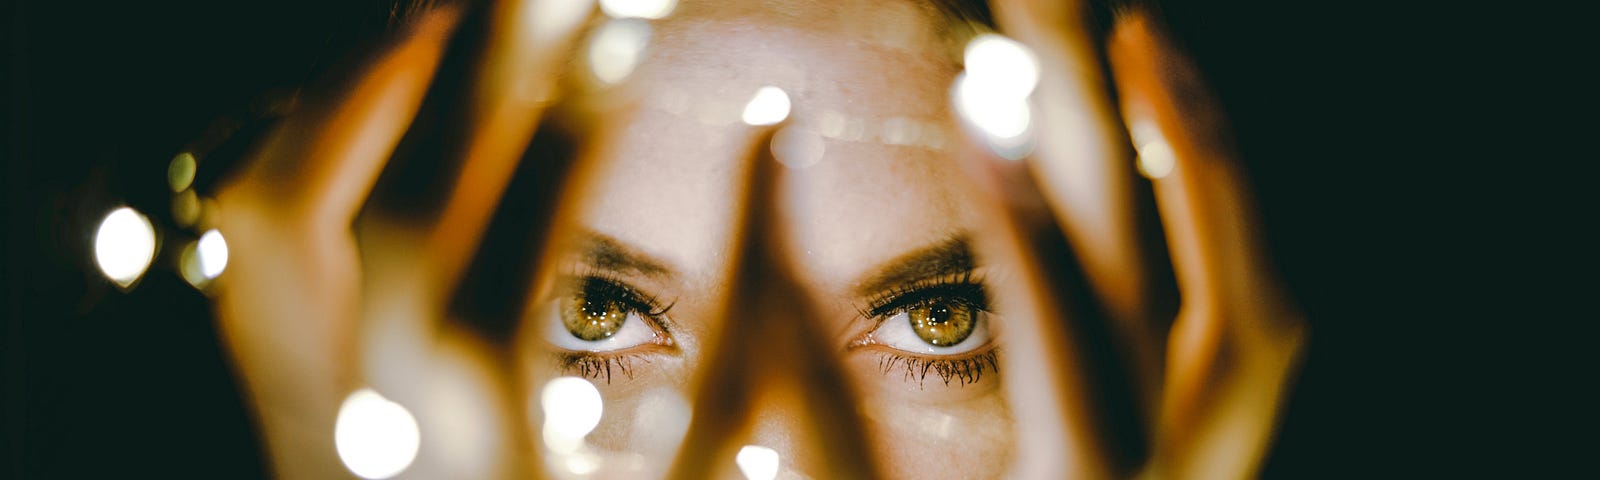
(992, 94)
(617, 48)
(1156, 159)
(180, 173)
(124, 245)
(651, 9)
(376, 438)
(994, 61)
(572, 408)
(212, 253)
(186, 208)
(797, 147)
(769, 106)
(757, 462)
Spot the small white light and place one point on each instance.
(797, 147)
(213, 253)
(617, 49)
(757, 462)
(768, 107)
(572, 408)
(994, 61)
(180, 173)
(376, 438)
(651, 9)
(124, 246)
(996, 112)
(1004, 120)
(1156, 159)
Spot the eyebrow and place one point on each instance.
(604, 252)
(948, 257)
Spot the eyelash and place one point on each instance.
(608, 285)
(966, 288)
(599, 365)
(963, 370)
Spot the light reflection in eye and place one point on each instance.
(572, 408)
(633, 332)
(757, 462)
(124, 246)
(617, 48)
(375, 438)
(651, 9)
(897, 332)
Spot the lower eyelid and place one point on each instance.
(959, 369)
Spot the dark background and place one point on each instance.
(1407, 201)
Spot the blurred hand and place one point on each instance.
(340, 283)
(1210, 382)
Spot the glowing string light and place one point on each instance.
(375, 438)
(124, 245)
(757, 462)
(769, 106)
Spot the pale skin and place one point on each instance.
(681, 190)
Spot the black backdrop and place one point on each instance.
(1365, 130)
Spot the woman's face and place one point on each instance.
(872, 217)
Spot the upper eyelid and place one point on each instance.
(890, 301)
(656, 313)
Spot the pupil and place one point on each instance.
(939, 315)
(593, 316)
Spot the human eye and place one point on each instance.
(598, 324)
(939, 326)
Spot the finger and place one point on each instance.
(287, 222)
(795, 386)
(1082, 165)
(1065, 407)
(424, 221)
(453, 167)
(1238, 337)
(319, 164)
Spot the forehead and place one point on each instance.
(868, 83)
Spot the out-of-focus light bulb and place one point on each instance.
(996, 112)
(572, 408)
(376, 438)
(213, 253)
(992, 94)
(180, 173)
(757, 462)
(124, 246)
(1156, 159)
(617, 48)
(651, 9)
(797, 147)
(994, 61)
(768, 107)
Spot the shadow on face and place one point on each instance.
(871, 224)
